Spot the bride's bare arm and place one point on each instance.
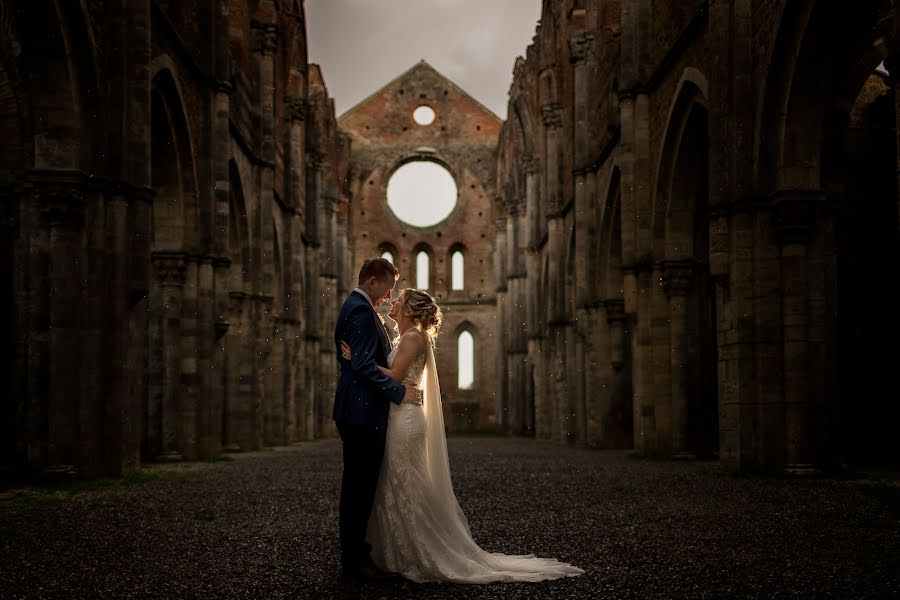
(410, 348)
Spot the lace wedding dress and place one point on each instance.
(417, 528)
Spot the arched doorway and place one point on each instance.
(616, 414)
(681, 233)
(168, 413)
(12, 163)
(828, 153)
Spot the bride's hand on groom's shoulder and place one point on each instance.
(345, 350)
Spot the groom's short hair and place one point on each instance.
(380, 268)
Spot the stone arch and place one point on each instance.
(389, 247)
(525, 123)
(617, 412)
(681, 247)
(173, 176)
(569, 279)
(423, 247)
(457, 247)
(238, 232)
(64, 84)
(684, 151)
(818, 61)
(609, 254)
(466, 327)
(168, 430)
(279, 299)
(825, 153)
(15, 158)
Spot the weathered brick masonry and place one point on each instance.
(463, 138)
(170, 239)
(683, 239)
(701, 210)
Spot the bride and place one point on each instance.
(417, 528)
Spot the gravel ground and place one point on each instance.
(264, 525)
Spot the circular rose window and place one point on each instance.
(421, 193)
(424, 115)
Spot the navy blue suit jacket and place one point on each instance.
(363, 391)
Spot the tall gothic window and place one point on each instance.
(456, 270)
(388, 255)
(422, 270)
(465, 351)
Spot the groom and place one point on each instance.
(361, 408)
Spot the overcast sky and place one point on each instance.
(364, 44)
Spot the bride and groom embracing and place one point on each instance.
(398, 513)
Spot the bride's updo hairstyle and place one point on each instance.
(423, 310)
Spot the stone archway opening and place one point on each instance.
(868, 276)
(616, 414)
(828, 151)
(10, 162)
(168, 413)
(683, 240)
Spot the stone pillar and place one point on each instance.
(238, 372)
(794, 222)
(531, 241)
(502, 389)
(678, 278)
(170, 279)
(219, 387)
(620, 380)
(190, 351)
(64, 206)
(551, 116)
(295, 273)
(216, 396)
(582, 56)
(114, 398)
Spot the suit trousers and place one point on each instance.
(363, 449)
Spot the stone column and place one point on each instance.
(235, 409)
(531, 241)
(502, 389)
(581, 56)
(170, 279)
(794, 222)
(220, 387)
(64, 211)
(295, 273)
(216, 397)
(190, 350)
(620, 393)
(678, 279)
(551, 116)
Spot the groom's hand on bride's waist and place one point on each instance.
(413, 394)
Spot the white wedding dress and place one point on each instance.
(417, 528)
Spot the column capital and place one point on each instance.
(295, 107)
(678, 276)
(551, 115)
(315, 159)
(64, 210)
(265, 37)
(615, 309)
(794, 213)
(531, 164)
(581, 45)
(170, 268)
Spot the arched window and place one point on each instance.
(456, 270)
(422, 270)
(388, 255)
(465, 352)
